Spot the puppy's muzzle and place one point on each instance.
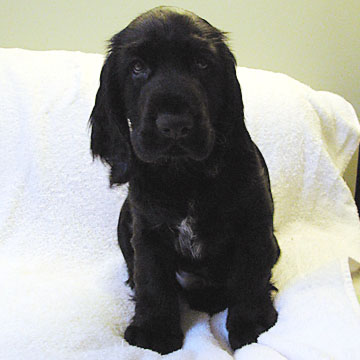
(174, 126)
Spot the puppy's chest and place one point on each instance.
(194, 270)
(188, 243)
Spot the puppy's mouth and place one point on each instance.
(176, 151)
(182, 151)
(152, 147)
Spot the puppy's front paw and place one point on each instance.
(243, 334)
(243, 331)
(163, 341)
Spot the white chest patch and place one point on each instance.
(190, 281)
(188, 243)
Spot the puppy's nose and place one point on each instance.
(174, 126)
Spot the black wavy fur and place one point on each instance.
(198, 219)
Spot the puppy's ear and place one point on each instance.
(110, 138)
(233, 92)
(233, 104)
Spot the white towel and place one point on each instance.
(319, 318)
(61, 271)
(307, 138)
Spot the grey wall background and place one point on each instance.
(314, 41)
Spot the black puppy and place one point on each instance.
(198, 220)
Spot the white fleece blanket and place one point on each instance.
(61, 271)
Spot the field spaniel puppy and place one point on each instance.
(198, 220)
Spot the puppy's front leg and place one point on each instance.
(156, 323)
(251, 310)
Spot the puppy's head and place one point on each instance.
(168, 92)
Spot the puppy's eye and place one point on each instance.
(138, 67)
(201, 63)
